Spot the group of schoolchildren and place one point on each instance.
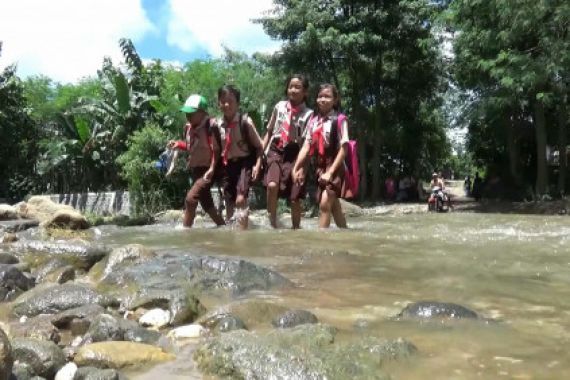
(230, 151)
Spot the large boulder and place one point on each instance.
(119, 355)
(51, 214)
(58, 298)
(199, 273)
(42, 357)
(6, 358)
(303, 352)
(80, 255)
(13, 282)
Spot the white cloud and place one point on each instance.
(212, 24)
(67, 39)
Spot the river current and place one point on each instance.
(512, 270)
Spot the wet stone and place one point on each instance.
(59, 298)
(292, 318)
(436, 310)
(92, 373)
(43, 358)
(6, 358)
(12, 282)
(303, 352)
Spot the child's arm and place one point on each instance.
(298, 173)
(269, 132)
(255, 140)
(214, 159)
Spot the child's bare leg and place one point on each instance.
(337, 213)
(325, 209)
(216, 216)
(230, 208)
(189, 210)
(243, 212)
(296, 214)
(272, 198)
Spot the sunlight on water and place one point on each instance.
(509, 268)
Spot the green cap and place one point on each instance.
(194, 103)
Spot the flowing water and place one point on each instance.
(512, 269)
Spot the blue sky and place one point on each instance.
(67, 39)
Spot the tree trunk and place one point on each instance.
(513, 149)
(362, 158)
(562, 120)
(376, 143)
(540, 132)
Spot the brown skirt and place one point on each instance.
(336, 183)
(280, 163)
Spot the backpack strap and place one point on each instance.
(213, 129)
(244, 130)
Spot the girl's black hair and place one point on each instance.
(335, 93)
(229, 89)
(304, 80)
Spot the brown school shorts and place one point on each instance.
(280, 163)
(237, 177)
(336, 184)
(200, 190)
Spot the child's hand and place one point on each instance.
(171, 144)
(299, 176)
(325, 178)
(255, 172)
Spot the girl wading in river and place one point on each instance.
(327, 139)
(282, 143)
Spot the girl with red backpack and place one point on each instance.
(282, 142)
(327, 139)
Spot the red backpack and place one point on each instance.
(351, 164)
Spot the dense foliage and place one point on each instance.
(514, 59)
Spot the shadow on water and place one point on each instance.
(510, 268)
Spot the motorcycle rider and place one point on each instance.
(437, 188)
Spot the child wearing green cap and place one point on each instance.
(202, 144)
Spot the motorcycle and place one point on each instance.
(438, 200)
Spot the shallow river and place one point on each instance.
(512, 269)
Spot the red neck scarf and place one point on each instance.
(292, 112)
(318, 136)
(229, 127)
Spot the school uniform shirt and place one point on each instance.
(197, 145)
(320, 127)
(285, 130)
(234, 145)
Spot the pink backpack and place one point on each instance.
(351, 165)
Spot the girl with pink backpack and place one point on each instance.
(326, 139)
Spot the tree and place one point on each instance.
(18, 134)
(515, 54)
